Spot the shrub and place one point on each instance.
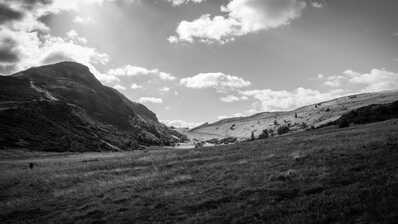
(264, 134)
(252, 138)
(304, 125)
(283, 129)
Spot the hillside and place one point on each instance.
(368, 114)
(300, 119)
(63, 107)
(327, 175)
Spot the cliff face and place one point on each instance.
(68, 100)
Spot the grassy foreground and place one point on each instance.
(329, 175)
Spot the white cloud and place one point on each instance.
(74, 36)
(180, 2)
(181, 124)
(347, 83)
(130, 70)
(232, 98)
(150, 100)
(119, 87)
(316, 4)
(281, 100)
(165, 89)
(231, 116)
(218, 81)
(83, 20)
(135, 86)
(242, 17)
(375, 80)
(34, 45)
(34, 48)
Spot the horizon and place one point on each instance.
(164, 53)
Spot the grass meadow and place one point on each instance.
(329, 175)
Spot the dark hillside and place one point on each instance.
(369, 114)
(65, 101)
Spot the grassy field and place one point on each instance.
(329, 175)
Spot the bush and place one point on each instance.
(252, 138)
(264, 134)
(304, 125)
(283, 129)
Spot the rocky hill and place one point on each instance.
(306, 117)
(63, 107)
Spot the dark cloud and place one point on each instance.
(8, 14)
(7, 69)
(8, 52)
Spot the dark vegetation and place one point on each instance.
(264, 134)
(327, 175)
(283, 130)
(368, 114)
(371, 113)
(56, 126)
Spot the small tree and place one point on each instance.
(283, 129)
(271, 132)
(264, 134)
(252, 138)
(304, 125)
(295, 115)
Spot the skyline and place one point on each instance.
(192, 61)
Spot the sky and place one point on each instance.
(195, 61)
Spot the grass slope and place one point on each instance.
(312, 115)
(329, 175)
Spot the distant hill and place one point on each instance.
(63, 107)
(314, 115)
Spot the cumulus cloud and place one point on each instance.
(181, 2)
(150, 100)
(219, 81)
(281, 100)
(347, 83)
(83, 20)
(181, 124)
(375, 80)
(221, 117)
(165, 89)
(29, 42)
(130, 70)
(232, 98)
(242, 17)
(119, 87)
(135, 86)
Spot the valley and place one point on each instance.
(327, 175)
